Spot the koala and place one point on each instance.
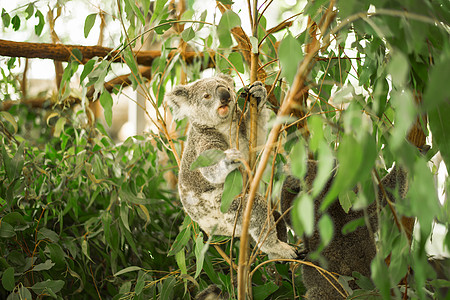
(216, 122)
(345, 253)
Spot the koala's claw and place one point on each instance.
(301, 254)
(257, 90)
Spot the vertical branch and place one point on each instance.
(253, 111)
(23, 85)
(253, 108)
(55, 39)
(287, 105)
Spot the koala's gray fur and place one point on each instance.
(345, 253)
(215, 120)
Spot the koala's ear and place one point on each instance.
(177, 99)
(227, 78)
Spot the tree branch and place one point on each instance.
(60, 52)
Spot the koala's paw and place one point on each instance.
(233, 155)
(283, 251)
(258, 91)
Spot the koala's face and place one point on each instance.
(208, 102)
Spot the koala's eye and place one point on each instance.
(207, 96)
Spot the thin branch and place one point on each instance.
(299, 81)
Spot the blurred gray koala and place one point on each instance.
(346, 252)
(216, 122)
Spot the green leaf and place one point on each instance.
(87, 69)
(163, 26)
(316, 125)
(127, 269)
(398, 67)
(136, 10)
(435, 95)
(208, 158)
(53, 286)
(324, 168)
(228, 21)
(124, 210)
(167, 288)
(107, 102)
(303, 214)
(47, 265)
(8, 280)
(22, 293)
(436, 101)
(6, 19)
(405, 115)
(180, 241)
(326, 229)
(15, 22)
(181, 261)
(77, 57)
(356, 160)
(202, 18)
(131, 63)
(380, 276)
(423, 187)
(6, 230)
(13, 166)
(59, 127)
(440, 128)
(45, 233)
(346, 199)
(159, 5)
(236, 60)
(200, 251)
(346, 8)
(231, 188)
(254, 43)
(299, 157)
(264, 291)
(188, 34)
(29, 11)
(38, 28)
(140, 283)
(57, 255)
(290, 54)
(352, 225)
(8, 117)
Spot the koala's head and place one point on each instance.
(207, 102)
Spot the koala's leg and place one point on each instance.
(264, 232)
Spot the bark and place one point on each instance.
(61, 52)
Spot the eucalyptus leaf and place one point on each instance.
(290, 54)
(89, 23)
(207, 158)
(231, 188)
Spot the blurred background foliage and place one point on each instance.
(85, 212)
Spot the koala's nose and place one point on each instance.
(224, 95)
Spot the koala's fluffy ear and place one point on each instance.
(227, 78)
(177, 99)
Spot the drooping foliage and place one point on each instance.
(83, 216)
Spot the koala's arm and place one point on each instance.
(217, 173)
